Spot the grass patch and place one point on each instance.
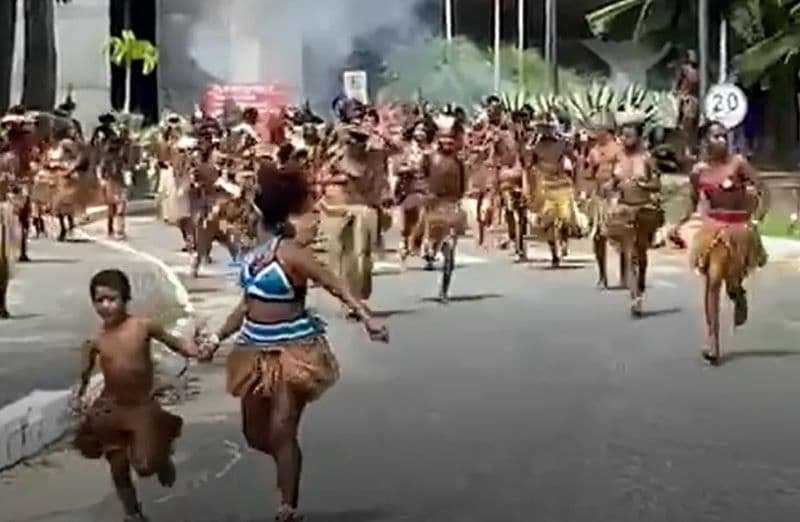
(777, 223)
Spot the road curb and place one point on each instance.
(34, 422)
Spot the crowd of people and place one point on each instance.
(269, 192)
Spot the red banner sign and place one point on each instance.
(269, 100)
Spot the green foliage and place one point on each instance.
(767, 32)
(464, 73)
(772, 34)
(126, 49)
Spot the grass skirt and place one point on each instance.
(307, 367)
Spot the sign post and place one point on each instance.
(355, 85)
(725, 103)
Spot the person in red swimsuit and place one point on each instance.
(727, 246)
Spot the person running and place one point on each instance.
(125, 424)
(281, 359)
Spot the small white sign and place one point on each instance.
(725, 103)
(355, 85)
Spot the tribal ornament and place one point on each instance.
(546, 104)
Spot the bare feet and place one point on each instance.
(288, 514)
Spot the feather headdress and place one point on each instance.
(586, 106)
(647, 109)
(445, 123)
(546, 105)
(514, 102)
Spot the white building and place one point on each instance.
(200, 42)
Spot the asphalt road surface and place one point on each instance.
(52, 312)
(531, 397)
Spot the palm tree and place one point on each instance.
(766, 38)
(8, 26)
(39, 76)
(124, 51)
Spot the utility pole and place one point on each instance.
(497, 14)
(448, 29)
(521, 42)
(702, 40)
(448, 20)
(551, 41)
(723, 51)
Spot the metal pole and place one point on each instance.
(554, 43)
(497, 46)
(521, 42)
(548, 32)
(702, 40)
(723, 51)
(448, 20)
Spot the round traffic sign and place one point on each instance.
(725, 103)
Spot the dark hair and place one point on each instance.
(282, 192)
(705, 128)
(114, 279)
(250, 115)
(373, 114)
(638, 127)
(428, 127)
(285, 152)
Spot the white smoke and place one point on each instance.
(304, 44)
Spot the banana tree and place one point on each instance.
(766, 39)
(126, 49)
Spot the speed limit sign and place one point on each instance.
(727, 104)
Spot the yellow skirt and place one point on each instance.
(10, 236)
(557, 205)
(307, 367)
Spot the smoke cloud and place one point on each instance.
(303, 44)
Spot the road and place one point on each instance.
(532, 396)
(53, 316)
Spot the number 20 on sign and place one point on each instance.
(726, 104)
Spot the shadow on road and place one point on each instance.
(463, 298)
(22, 317)
(751, 354)
(364, 515)
(52, 261)
(563, 266)
(663, 311)
(382, 314)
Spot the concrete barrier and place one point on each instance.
(41, 418)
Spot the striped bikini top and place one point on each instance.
(263, 277)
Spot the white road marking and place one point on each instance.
(181, 294)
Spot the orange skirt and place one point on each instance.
(307, 366)
(740, 241)
(145, 430)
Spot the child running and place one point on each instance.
(126, 425)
